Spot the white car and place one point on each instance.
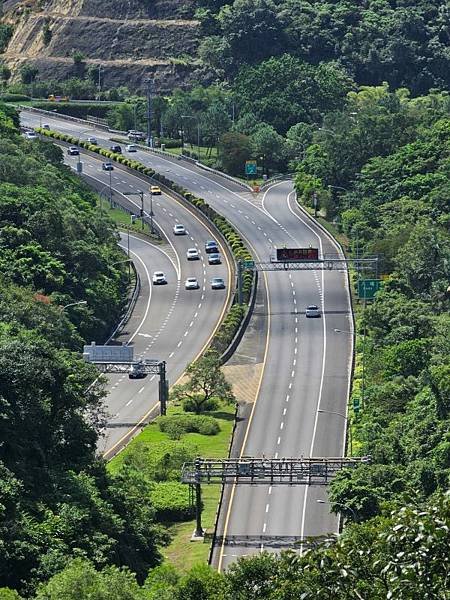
(312, 311)
(192, 254)
(179, 229)
(159, 278)
(191, 283)
(31, 135)
(92, 140)
(131, 148)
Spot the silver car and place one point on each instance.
(217, 283)
(159, 278)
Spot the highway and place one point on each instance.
(301, 404)
(169, 322)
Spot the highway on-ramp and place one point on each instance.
(301, 404)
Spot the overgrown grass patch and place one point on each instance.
(181, 552)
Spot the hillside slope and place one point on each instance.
(129, 39)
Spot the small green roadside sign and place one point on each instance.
(367, 288)
(248, 264)
(250, 167)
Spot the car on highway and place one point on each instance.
(92, 140)
(312, 311)
(136, 136)
(192, 254)
(159, 278)
(191, 283)
(179, 229)
(131, 148)
(155, 190)
(214, 259)
(211, 247)
(30, 135)
(73, 151)
(116, 148)
(137, 371)
(46, 126)
(107, 166)
(217, 283)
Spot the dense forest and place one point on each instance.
(56, 499)
(350, 97)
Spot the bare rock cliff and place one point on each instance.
(130, 39)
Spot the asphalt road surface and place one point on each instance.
(169, 322)
(301, 405)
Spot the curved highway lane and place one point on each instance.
(173, 324)
(306, 375)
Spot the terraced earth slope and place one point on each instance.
(130, 39)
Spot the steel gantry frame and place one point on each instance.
(262, 470)
(147, 366)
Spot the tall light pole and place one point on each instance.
(74, 304)
(149, 89)
(198, 130)
(344, 506)
(99, 81)
(139, 193)
(347, 423)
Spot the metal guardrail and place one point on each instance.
(131, 304)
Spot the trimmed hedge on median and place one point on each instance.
(240, 251)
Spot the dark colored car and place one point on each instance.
(217, 283)
(116, 148)
(211, 247)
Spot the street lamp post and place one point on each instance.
(342, 506)
(198, 131)
(347, 423)
(74, 304)
(139, 193)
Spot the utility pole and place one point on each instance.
(149, 84)
(151, 211)
(99, 83)
(315, 204)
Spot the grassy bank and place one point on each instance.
(181, 552)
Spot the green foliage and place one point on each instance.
(284, 90)
(206, 381)
(28, 73)
(80, 580)
(6, 32)
(172, 502)
(235, 149)
(182, 424)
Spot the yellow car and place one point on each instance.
(155, 190)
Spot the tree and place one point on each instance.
(282, 91)
(80, 580)
(269, 147)
(206, 382)
(28, 73)
(251, 29)
(200, 583)
(235, 149)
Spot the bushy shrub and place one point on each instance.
(171, 501)
(14, 97)
(202, 424)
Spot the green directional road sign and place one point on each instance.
(367, 288)
(250, 167)
(248, 264)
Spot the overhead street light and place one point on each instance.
(342, 506)
(140, 193)
(198, 130)
(346, 419)
(74, 304)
